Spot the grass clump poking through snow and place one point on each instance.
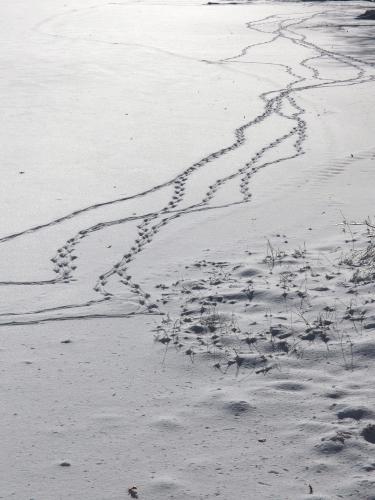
(287, 304)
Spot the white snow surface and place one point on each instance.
(181, 314)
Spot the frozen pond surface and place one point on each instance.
(140, 140)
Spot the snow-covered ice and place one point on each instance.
(187, 250)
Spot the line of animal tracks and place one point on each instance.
(178, 195)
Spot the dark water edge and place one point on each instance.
(245, 2)
(355, 27)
